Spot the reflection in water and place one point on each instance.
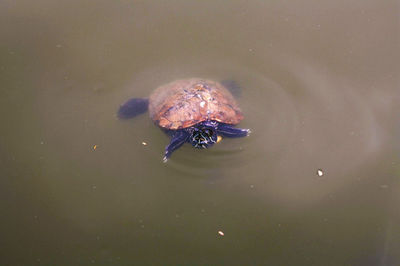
(314, 184)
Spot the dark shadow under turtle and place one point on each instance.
(191, 110)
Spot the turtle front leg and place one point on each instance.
(178, 139)
(229, 131)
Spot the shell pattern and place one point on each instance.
(184, 103)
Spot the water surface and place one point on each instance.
(316, 183)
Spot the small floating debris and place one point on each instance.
(94, 147)
(144, 143)
(320, 172)
(219, 138)
(221, 233)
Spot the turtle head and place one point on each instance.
(204, 134)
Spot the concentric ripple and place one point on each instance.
(301, 118)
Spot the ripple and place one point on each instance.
(302, 118)
(305, 118)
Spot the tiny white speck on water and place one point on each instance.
(144, 143)
(221, 233)
(320, 172)
(202, 104)
(42, 142)
(94, 187)
(251, 186)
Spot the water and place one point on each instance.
(320, 91)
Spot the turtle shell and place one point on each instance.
(184, 103)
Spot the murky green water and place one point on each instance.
(320, 92)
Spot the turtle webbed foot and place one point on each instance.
(229, 131)
(133, 107)
(233, 87)
(178, 139)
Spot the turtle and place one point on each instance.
(194, 110)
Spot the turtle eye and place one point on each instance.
(208, 132)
